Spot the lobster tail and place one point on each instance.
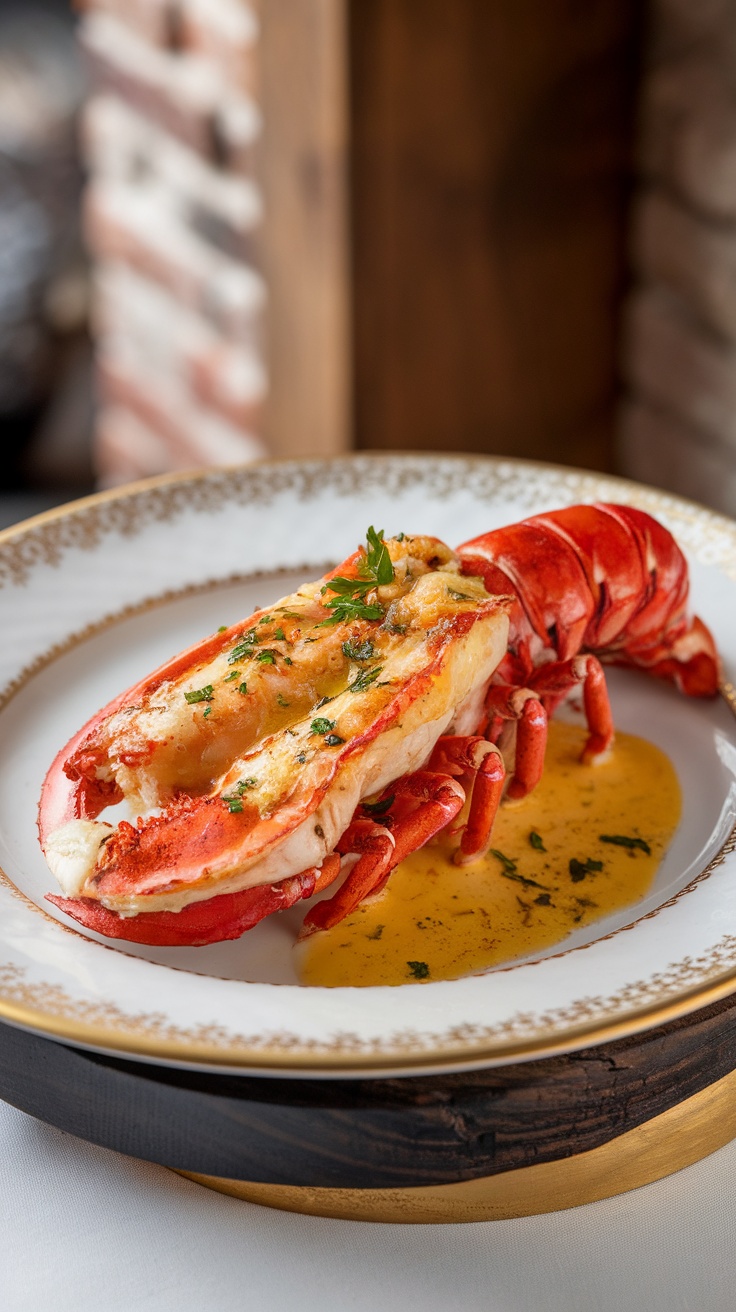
(605, 579)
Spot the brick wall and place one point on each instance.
(171, 213)
(679, 422)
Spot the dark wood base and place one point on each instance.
(320, 1145)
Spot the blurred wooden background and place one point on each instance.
(459, 200)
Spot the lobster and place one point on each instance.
(436, 673)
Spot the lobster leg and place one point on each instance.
(525, 707)
(479, 764)
(553, 682)
(423, 804)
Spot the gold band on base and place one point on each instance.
(676, 1138)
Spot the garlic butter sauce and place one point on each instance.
(550, 871)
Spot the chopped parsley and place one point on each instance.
(233, 801)
(288, 660)
(207, 711)
(321, 725)
(509, 866)
(266, 619)
(266, 657)
(419, 969)
(282, 700)
(279, 633)
(364, 679)
(579, 869)
(622, 840)
(205, 694)
(509, 870)
(235, 674)
(536, 841)
(358, 651)
(244, 647)
(374, 570)
(243, 687)
(223, 628)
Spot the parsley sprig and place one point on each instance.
(374, 571)
(200, 694)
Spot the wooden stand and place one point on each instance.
(510, 1141)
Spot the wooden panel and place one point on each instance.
(372, 1133)
(491, 145)
(303, 173)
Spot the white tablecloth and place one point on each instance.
(86, 1230)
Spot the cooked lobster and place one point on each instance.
(353, 720)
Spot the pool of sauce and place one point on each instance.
(435, 920)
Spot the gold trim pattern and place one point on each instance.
(51, 1010)
(82, 525)
(677, 1138)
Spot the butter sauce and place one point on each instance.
(435, 920)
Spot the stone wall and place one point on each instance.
(171, 212)
(678, 425)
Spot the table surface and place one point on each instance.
(85, 1228)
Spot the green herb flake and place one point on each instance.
(579, 869)
(321, 725)
(279, 633)
(282, 700)
(243, 688)
(223, 628)
(233, 804)
(288, 660)
(379, 808)
(235, 674)
(536, 841)
(399, 537)
(349, 608)
(509, 866)
(364, 679)
(419, 969)
(244, 647)
(266, 657)
(358, 651)
(266, 619)
(200, 694)
(333, 740)
(207, 711)
(622, 840)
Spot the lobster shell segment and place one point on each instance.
(627, 603)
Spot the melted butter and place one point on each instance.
(435, 920)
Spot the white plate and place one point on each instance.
(95, 595)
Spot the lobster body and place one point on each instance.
(604, 579)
